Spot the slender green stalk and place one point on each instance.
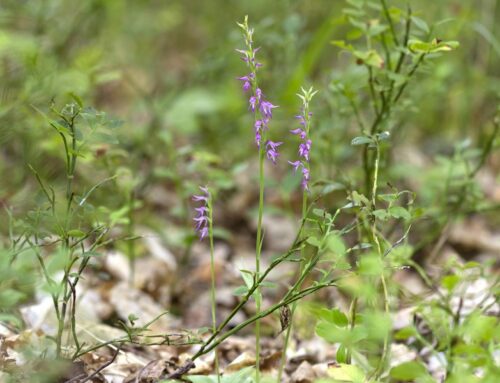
(306, 96)
(385, 350)
(249, 57)
(70, 174)
(258, 249)
(352, 319)
(294, 306)
(389, 20)
(212, 277)
(130, 232)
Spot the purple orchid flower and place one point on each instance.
(272, 150)
(201, 219)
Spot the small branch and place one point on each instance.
(389, 20)
(96, 372)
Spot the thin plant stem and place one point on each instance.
(352, 319)
(385, 349)
(294, 306)
(306, 97)
(130, 232)
(258, 248)
(389, 20)
(212, 277)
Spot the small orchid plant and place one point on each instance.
(262, 109)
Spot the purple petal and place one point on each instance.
(295, 164)
(199, 198)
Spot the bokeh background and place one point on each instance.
(168, 70)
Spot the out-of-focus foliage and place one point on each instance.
(168, 70)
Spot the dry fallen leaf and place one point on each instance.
(244, 360)
(304, 374)
(150, 373)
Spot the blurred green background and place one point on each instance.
(168, 70)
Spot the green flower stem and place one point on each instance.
(385, 350)
(71, 158)
(258, 249)
(212, 277)
(306, 97)
(294, 306)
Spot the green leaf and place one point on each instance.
(346, 373)
(335, 334)
(388, 197)
(76, 233)
(320, 213)
(444, 46)
(334, 316)
(432, 47)
(381, 214)
(339, 318)
(408, 371)
(10, 298)
(335, 244)
(269, 285)
(361, 140)
(341, 354)
(313, 241)
(342, 44)
(418, 46)
(370, 58)
(77, 99)
(377, 29)
(371, 265)
(399, 212)
(450, 281)
(420, 24)
(356, 3)
(481, 328)
(405, 333)
(247, 277)
(132, 318)
(240, 291)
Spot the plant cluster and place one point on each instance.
(354, 230)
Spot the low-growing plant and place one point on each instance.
(355, 242)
